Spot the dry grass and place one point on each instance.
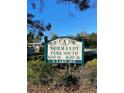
(86, 81)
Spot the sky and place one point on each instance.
(62, 23)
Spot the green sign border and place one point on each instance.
(46, 50)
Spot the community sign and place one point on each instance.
(65, 50)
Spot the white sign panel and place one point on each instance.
(64, 50)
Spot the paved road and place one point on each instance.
(90, 51)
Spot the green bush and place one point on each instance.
(45, 74)
(39, 73)
(91, 63)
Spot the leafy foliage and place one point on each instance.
(90, 39)
(30, 37)
(80, 4)
(36, 25)
(81, 80)
(39, 73)
(54, 36)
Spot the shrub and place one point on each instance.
(66, 80)
(38, 72)
(91, 63)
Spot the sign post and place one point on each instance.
(64, 50)
(45, 49)
(82, 52)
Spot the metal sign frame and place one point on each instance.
(46, 51)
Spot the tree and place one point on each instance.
(30, 37)
(54, 36)
(37, 39)
(80, 36)
(90, 39)
(93, 40)
(80, 4)
(38, 27)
